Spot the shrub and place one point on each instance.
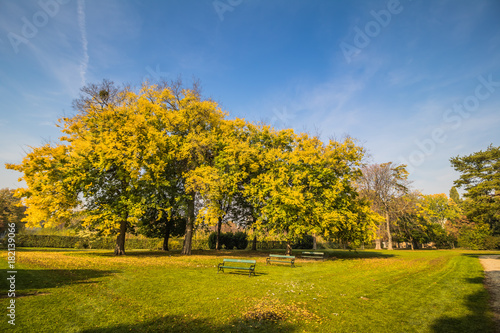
(173, 244)
(212, 240)
(46, 241)
(445, 241)
(492, 242)
(82, 242)
(473, 237)
(104, 243)
(240, 240)
(198, 244)
(305, 243)
(270, 245)
(227, 239)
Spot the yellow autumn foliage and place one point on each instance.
(126, 152)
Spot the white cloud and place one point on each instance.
(83, 32)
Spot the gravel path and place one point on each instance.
(491, 266)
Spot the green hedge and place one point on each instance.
(46, 241)
(84, 243)
(229, 240)
(305, 243)
(270, 245)
(106, 243)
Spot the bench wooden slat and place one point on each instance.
(281, 261)
(313, 255)
(284, 259)
(248, 268)
(240, 260)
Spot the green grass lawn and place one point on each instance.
(144, 291)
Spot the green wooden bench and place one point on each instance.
(313, 255)
(236, 264)
(281, 259)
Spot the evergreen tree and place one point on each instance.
(480, 177)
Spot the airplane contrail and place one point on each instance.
(83, 31)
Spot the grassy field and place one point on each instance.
(144, 291)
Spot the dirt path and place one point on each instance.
(491, 266)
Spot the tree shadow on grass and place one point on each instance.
(180, 324)
(480, 319)
(46, 249)
(27, 280)
(480, 254)
(242, 272)
(242, 254)
(348, 255)
(155, 253)
(329, 254)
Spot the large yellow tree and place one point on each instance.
(118, 144)
(306, 187)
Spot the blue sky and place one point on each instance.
(416, 82)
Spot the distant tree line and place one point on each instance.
(417, 219)
(11, 211)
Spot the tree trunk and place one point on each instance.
(315, 245)
(186, 248)
(120, 240)
(389, 237)
(166, 236)
(378, 244)
(288, 248)
(254, 243)
(219, 226)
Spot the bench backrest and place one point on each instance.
(317, 253)
(281, 256)
(241, 261)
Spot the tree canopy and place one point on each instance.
(384, 185)
(480, 178)
(11, 210)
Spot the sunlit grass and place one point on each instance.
(145, 291)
